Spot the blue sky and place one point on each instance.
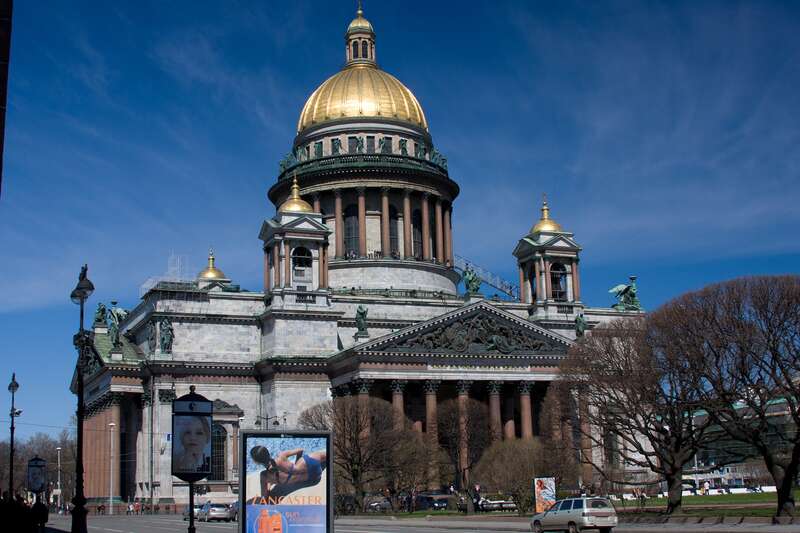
(665, 135)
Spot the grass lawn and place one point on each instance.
(765, 498)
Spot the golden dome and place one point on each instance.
(211, 272)
(294, 203)
(546, 223)
(361, 90)
(360, 24)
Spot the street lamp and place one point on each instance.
(58, 451)
(111, 470)
(12, 388)
(266, 419)
(83, 341)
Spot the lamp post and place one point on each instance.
(58, 452)
(83, 341)
(12, 388)
(266, 419)
(111, 470)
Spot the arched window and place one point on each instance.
(364, 50)
(218, 439)
(355, 50)
(351, 231)
(558, 282)
(416, 229)
(394, 239)
(301, 257)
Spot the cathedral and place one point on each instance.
(361, 296)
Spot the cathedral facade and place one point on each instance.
(360, 296)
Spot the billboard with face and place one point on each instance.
(544, 489)
(191, 445)
(286, 486)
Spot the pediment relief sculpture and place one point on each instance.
(479, 334)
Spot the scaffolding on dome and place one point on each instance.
(177, 273)
(487, 277)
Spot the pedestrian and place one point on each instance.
(39, 515)
(138, 508)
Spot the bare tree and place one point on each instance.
(745, 336)
(464, 435)
(510, 466)
(363, 438)
(558, 458)
(636, 391)
(408, 469)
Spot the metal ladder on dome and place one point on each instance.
(487, 277)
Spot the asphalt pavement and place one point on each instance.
(174, 523)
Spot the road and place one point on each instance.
(174, 523)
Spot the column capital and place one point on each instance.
(524, 387)
(398, 385)
(166, 395)
(407, 193)
(363, 386)
(315, 196)
(340, 391)
(431, 386)
(385, 189)
(439, 200)
(361, 189)
(463, 386)
(494, 387)
(337, 193)
(426, 195)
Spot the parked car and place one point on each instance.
(427, 501)
(576, 514)
(186, 511)
(379, 505)
(234, 508)
(214, 511)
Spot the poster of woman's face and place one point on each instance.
(191, 444)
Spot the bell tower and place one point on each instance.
(360, 40)
(548, 259)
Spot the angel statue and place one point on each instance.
(116, 315)
(472, 283)
(626, 296)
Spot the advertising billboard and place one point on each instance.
(286, 484)
(191, 437)
(544, 493)
(37, 475)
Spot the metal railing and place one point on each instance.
(361, 160)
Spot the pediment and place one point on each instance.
(302, 224)
(305, 223)
(474, 330)
(561, 241)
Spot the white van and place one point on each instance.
(576, 514)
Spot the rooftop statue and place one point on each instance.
(627, 299)
(100, 314)
(361, 319)
(382, 148)
(580, 325)
(116, 315)
(336, 146)
(359, 145)
(403, 146)
(472, 283)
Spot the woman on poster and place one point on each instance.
(282, 476)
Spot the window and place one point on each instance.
(364, 52)
(218, 438)
(318, 149)
(352, 145)
(386, 147)
(308, 153)
(301, 257)
(355, 50)
(558, 282)
(370, 144)
(577, 504)
(566, 505)
(416, 229)
(599, 504)
(394, 240)
(351, 231)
